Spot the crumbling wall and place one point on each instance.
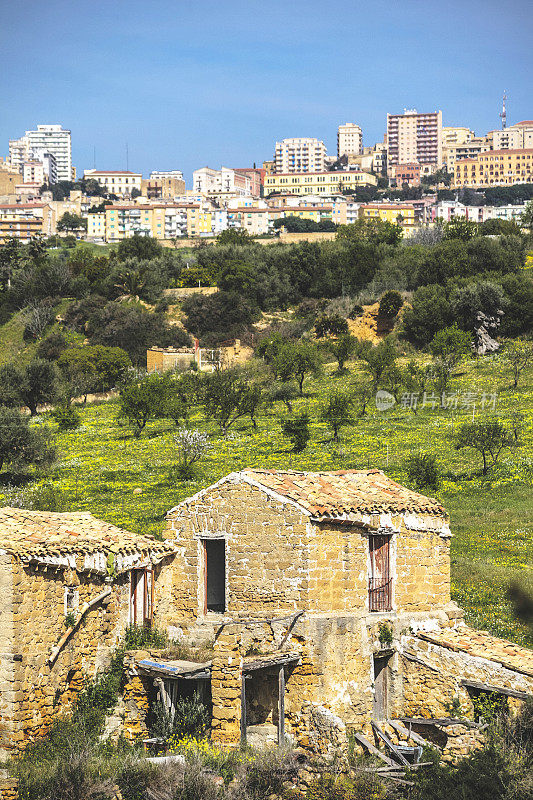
(433, 675)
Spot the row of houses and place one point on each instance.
(322, 599)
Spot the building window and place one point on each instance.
(214, 574)
(380, 581)
(141, 597)
(71, 600)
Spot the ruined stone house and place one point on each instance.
(70, 584)
(327, 596)
(324, 598)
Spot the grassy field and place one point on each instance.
(101, 463)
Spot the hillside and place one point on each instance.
(128, 481)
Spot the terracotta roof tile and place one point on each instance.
(344, 492)
(41, 533)
(483, 645)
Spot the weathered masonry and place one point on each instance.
(328, 599)
(70, 584)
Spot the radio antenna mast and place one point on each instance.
(503, 112)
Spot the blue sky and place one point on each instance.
(187, 84)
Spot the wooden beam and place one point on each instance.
(444, 721)
(401, 758)
(271, 661)
(399, 728)
(243, 711)
(281, 706)
(486, 687)
(374, 750)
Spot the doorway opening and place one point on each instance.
(380, 707)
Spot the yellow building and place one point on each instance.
(327, 183)
(402, 214)
(96, 225)
(314, 213)
(495, 168)
(23, 221)
(162, 188)
(198, 220)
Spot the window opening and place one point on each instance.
(215, 574)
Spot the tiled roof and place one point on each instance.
(482, 645)
(45, 533)
(344, 492)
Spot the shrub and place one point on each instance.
(390, 304)
(67, 418)
(334, 325)
(190, 447)
(21, 445)
(343, 348)
(423, 471)
(136, 637)
(52, 347)
(217, 317)
(190, 718)
(296, 429)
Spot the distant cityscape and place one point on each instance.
(421, 172)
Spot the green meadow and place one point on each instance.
(101, 464)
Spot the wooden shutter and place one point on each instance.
(380, 585)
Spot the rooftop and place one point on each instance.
(483, 645)
(339, 494)
(33, 534)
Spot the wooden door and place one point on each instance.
(381, 673)
(142, 597)
(380, 584)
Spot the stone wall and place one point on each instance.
(432, 677)
(34, 692)
(277, 559)
(266, 555)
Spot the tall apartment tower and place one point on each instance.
(47, 138)
(299, 155)
(349, 139)
(414, 138)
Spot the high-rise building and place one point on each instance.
(415, 138)
(299, 155)
(349, 139)
(49, 139)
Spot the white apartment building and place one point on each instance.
(221, 183)
(119, 182)
(349, 139)
(299, 155)
(157, 175)
(414, 138)
(447, 210)
(516, 137)
(48, 139)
